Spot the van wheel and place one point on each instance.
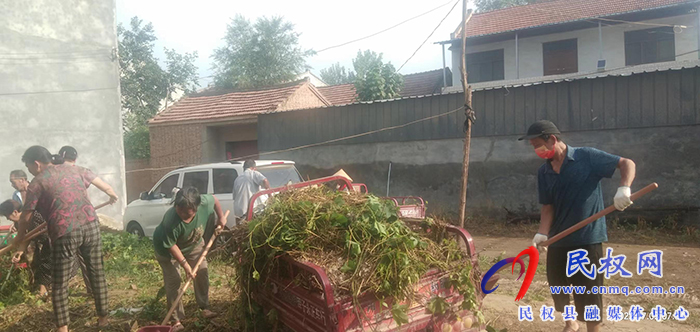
(135, 228)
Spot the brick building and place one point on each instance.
(217, 125)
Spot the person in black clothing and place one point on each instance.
(41, 263)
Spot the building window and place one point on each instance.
(485, 66)
(650, 45)
(560, 57)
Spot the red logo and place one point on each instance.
(531, 269)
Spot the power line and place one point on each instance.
(181, 150)
(55, 91)
(686, 53)
(313, 144)
(385, 30)
(74, 61)
(430, 35)
(60, 52)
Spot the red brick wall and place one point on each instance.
(173, 146)
(138, 178)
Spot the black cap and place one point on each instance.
(539, 128)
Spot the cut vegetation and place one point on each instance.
(361, 244)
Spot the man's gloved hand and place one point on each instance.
(539, 238)
(622, 198)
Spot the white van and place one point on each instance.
(143, 215)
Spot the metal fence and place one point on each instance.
(664, 98)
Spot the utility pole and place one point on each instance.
(697, 29)
(469, 114)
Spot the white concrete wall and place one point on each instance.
(59, 85)
(530, 55)
(312, 78)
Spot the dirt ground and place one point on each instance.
(131, 299)
(680, 268)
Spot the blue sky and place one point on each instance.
(189, 26)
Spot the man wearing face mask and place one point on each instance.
(568, 185)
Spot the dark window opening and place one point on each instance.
(242, 149)
(560, 57)
(485, 66)
(649, 46)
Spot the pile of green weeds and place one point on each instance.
(360, 242)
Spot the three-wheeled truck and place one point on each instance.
(312, 305)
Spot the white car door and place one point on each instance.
(222, 184)
(159, 202)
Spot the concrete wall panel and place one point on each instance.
(59, 85)
(503, 170)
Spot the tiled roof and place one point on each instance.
(339, 94)
(418, 84)
(555, 12)
(217, 104)
(425, 83)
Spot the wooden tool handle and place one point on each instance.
(102, 205)
(194, 269)
(597, 216)
(39, 230)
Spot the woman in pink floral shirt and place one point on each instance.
(59, 193)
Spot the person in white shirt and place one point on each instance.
(245, 186)
(18, 179)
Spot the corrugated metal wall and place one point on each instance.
(641, 100)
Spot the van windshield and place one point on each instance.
(280, 175)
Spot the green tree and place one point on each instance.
(260, 54)
(489, 5)
(375, 80)
(337, 74)
(145, 85)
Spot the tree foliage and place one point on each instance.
(337, 74)
(375, 80)
(489, 5)
(145, 85)
(137, 143)
(260, 54)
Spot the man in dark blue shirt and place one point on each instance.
(568, 185)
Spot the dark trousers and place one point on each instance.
(87, 241)
(41, 262)
(42, 266)
(172, 280)
(556, 276)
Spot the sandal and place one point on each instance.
(177, 327)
